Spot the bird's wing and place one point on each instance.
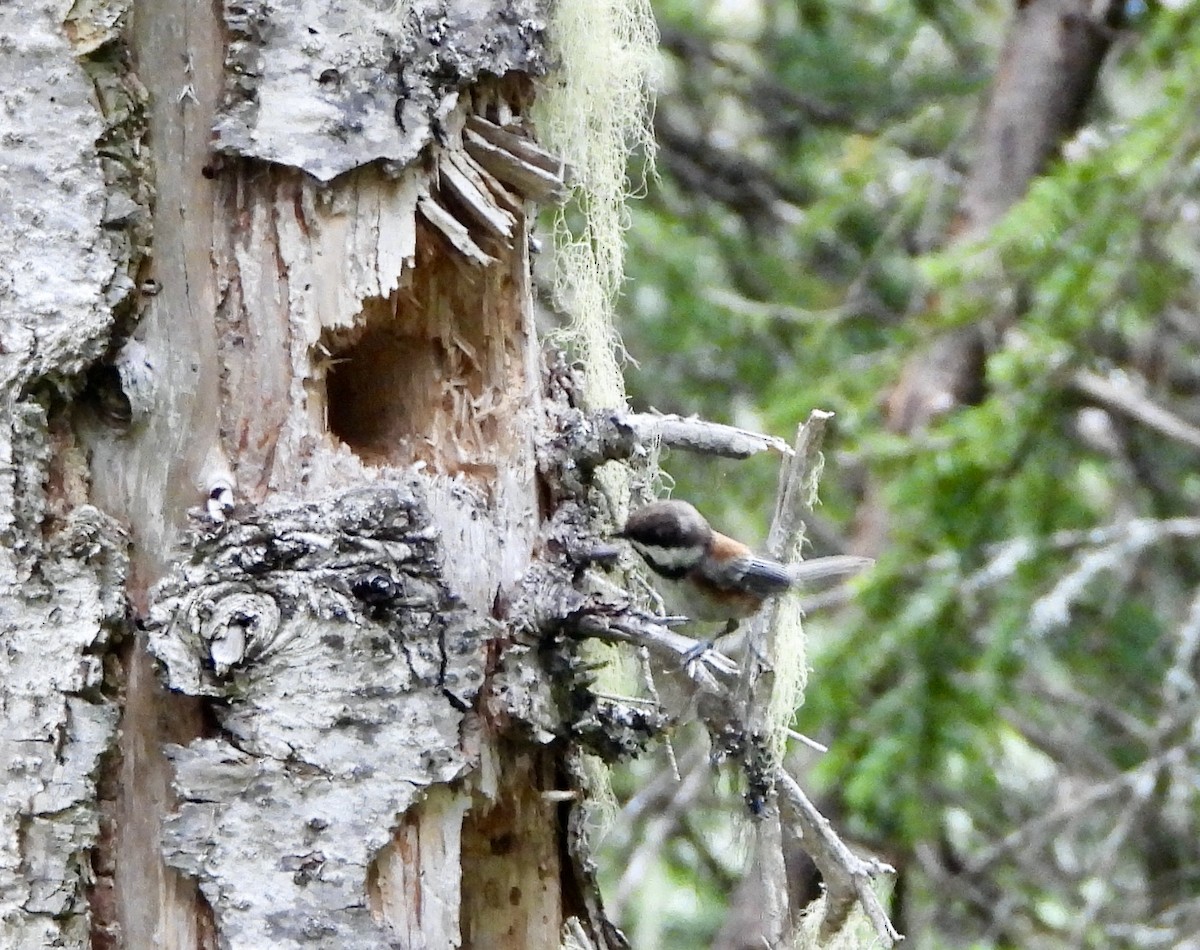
(757, 575)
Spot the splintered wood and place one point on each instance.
(479, 190)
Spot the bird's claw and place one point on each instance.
(696, 653)
(702, 660)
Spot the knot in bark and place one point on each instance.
(236, 627)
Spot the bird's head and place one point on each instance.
(672, 536)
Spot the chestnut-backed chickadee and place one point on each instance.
(705, 575)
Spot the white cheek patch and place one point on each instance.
(669, 559)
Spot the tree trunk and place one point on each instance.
(271, 403)
(1046, 76)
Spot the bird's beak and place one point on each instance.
(598, 554)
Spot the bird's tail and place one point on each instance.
(828, 568)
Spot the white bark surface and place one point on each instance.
(345, 668)
(328, 358)
(332, 86)
(62, 565)
(58, 265)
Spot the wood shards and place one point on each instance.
(454, 231)
(478, 200)
(460, 176)
(516, 160)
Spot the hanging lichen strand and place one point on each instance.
(591, 111)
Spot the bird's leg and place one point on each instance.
(703, 646)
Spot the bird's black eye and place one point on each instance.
(663, 535)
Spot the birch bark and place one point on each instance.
(272, 393)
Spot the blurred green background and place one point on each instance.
(1010, 699)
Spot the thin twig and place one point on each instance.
(615, 435)
(783, 542)
(768, 688)
(785, 536)
(652, 690)
(656, 832)
(1133, 536)
(807, 740)
(847, 876)
(703, 667)
(795, 483)
(743, 306)
(1040, 826)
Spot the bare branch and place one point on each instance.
(792, 504)
(1118, 392)
(628, 626)
(1116, 556)
(1040, 826)
(655, 834)
(847, 876)
(553, 602)
(626, 432)
(1131, 536)
(796, 482)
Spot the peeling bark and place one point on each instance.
(272, 407)
(329, 87)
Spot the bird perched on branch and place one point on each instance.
(706, 575)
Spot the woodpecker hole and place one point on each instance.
(368, 386)
(426, 373)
